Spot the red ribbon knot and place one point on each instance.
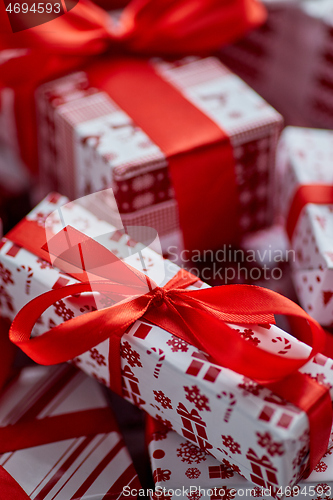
(159, 297)
(197, 316)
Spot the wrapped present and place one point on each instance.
(153, 27)
(212, 135)
(59, 438)
(271, 59)
(305, 170)
(182, 470)
(161, 372)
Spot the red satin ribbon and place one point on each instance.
(195, 316)
(320, 194)
(10, 488)
(36, 432)
(199, 152)
(151, 27)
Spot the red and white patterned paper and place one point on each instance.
(186, 471)
(223, 412)
(305, 158)
(89, 143)
(84, 467)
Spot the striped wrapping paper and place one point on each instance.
(95, 466)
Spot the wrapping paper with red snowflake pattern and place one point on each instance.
(305, 158)
(187, 472)
(220, 410)
(89, 143)
(83, 467)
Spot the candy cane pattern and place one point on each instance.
(232, 402)
(29, 277)
(286, 347)
(160, 360)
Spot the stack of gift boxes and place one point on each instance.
(187, 156)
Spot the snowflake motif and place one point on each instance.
(322, 487)
(273, 448)
(98, 357)
(192, 473)
(320, 378)
(230, 466)
(5, 275)
(256, 491)
(61, 310)
(178, 345)
(160, 435)
(40, 218)
(101, 380)
(76, 361)
(199, 400)
(250, 387)
(6, 299)
(195, 495)
(320, 467)
(131, 356)
(164, 422)
(190, 453)
(248, 334)
(229, 493)
(229, 442)
(161, 398)
(329, 452)
(43, 264)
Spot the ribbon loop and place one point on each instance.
(198, 317)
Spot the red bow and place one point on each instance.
(195, 316)
(154, 27)
(319, 194)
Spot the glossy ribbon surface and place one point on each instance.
(319, 194)
(197, 317)
(146, 27)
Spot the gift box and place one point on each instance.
(60, 439)
(96, 132)
(151, 28)
(222, 411)
(271, 60)
(181, 470)
(304, 166)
